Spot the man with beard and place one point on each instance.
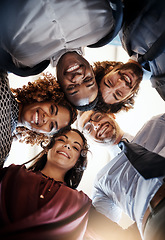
(102, 128)
(119, 187)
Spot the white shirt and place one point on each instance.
(46, 29)
(119, 187)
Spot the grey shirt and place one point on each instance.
(46, 29)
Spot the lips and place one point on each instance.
(64, 154)
(102, 130)
(72, 68)
(128, 78)
(105, 129)
(35, 118)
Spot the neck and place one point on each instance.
(57, 174)
(118, 139)
(20, 112)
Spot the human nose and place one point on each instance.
(96, 125)
(120, 83)
(67, 145)
(78, 76)
(47, 118)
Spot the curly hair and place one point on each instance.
(100, 70)
(45, 88)
(73, 176)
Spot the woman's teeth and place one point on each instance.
(127, 78)
(36, 118)
(65, 154)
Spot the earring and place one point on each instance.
(83, 153)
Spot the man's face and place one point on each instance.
(118, 84)
(101, 127)
(77, 79)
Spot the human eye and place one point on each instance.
(51, 126)
(118, 93)
(87, 128)
(88, 79)
(110, 83)
(97, 117)
(60, 140)
(71, 87)
(76, 148)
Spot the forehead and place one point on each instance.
(73, 136)
(45, 103)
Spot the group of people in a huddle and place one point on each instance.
(39, 199)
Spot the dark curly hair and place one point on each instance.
(74, 175)
(100, 70)
(45, 88)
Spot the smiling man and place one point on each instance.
(101, 127)
(119, 187)
(42, 33)
(76, 77)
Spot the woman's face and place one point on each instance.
(117, 85)
(66, 150)
(44, 117)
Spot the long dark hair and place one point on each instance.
(73, 176)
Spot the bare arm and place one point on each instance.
(101, 228)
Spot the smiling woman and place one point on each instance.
(44, 117)
(32, 112)
(118, 84)
(55, 208)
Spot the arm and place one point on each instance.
(101, 228)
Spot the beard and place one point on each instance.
(113, 136)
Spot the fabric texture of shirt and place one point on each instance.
(8, 116)
(138, 36)
(24, 215)
(49, 28)
(119, 187)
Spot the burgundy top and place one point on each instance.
(33, 206)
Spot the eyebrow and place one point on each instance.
(54, 129)
(73, 93)
(56, 125)
(115, 97)
(106, 84)
(78, 143)
(65, 136)
(90, 85)
(56, 112)
(74, 142)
